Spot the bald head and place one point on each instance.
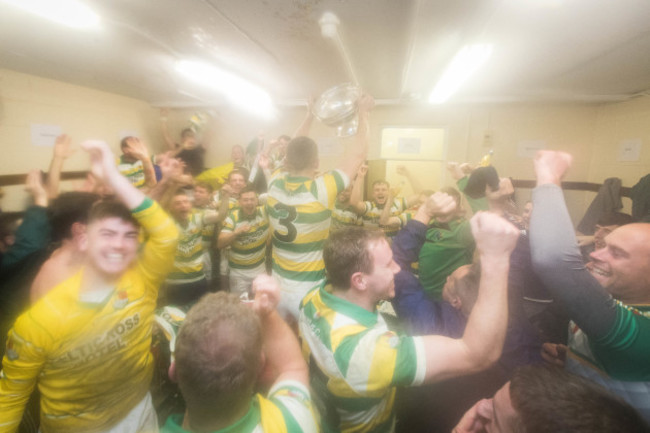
(621, 266)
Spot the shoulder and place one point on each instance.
(295, 407)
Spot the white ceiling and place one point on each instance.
(544, 50)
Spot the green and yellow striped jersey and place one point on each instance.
(188, 262)
(299, 210)
(344, 217)
(372, 212)
(134, 171)
(92, 360)
(356, 363)
(248, 251)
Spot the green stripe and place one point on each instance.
(302, 217)
(406, 363)
(313, 189)
(340, 185)
(360, 314)
(356, 404)
(251, 266)
(313, 217)
(185, 275)
(146, 203)
(248, 250)
(186, 259)
(306, 247)
(191, 238)
(344, 351)
(290, 422)
(314, 276)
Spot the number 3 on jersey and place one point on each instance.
(287, 221)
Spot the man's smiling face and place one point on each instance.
(622, 265)
(112, 245)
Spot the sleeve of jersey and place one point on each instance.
(381, 359)
(24, 357)
(329, 185)
(626, 346)
(228, 224)
(294, 402)
(157, 256)
(400, 203)
(404, 218)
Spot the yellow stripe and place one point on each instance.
(330, 184)
(337, 335)
(340, 388)
(311, 237)
(271, 417)
(297, 266)
(382, 364)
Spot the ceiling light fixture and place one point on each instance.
(68, 12)
(238, 91)
(468, 60)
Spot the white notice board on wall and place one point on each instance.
(421, 144)
(44, 135)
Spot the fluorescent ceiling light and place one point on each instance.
(238, 91)
(468, 60)
(68, 12)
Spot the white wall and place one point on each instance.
(81, 112)
(592, 133)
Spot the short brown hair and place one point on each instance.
(206, 186)
(301, 152)
(111, 208)
(241, 170)
(550, 399)
(218, 354)
(347, 251)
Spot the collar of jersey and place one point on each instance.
(340, 305)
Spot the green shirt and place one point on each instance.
(624, 353)
(446, 248)
(476, 204)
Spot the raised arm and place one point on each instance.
(102, 165)
(33, 234)
(281, 347)
(355, 154)
(138, 150)
(385, 218)
(62, 151)
(416, 186)
(157, 256)
(356, 195)
(555, 254)
(484, 335)
(172, 178)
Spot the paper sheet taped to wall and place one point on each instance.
(44, 135)
(528, 148)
